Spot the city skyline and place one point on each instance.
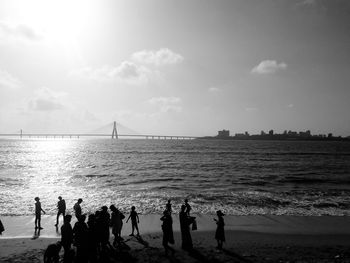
(190, 67)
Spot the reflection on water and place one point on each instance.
(239, 177)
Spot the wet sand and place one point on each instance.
(248, 239)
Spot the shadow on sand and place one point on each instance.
(236, 256)
(36, 234)
(196, 254)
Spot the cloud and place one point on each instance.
(268, 67)
(337, 8)
(132, 71)
(167, 104)
(127, 71)
(307, 2)
(8, 81)
(290, 105)
(214, 89)
(89, 116)
(163, 56)
(45, 105)
(46, 100)
(251, 109)
(18, 32)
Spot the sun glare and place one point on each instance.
(58, 21)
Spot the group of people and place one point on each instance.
(91, 238)
(186, 221)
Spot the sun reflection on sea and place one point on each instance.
(50, 163)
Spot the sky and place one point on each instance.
(186, 67)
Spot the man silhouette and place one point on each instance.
(66, 237)
(61, 206)
(77, 208)
(38, 210)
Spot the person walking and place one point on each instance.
(134, 221)
(77, 208)
(38, 211)
(168, 234)
(61, 206)
(220, 231)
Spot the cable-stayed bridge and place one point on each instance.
(101, 132)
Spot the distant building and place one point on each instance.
(292, 133)
(305, 134)
(224, 133)
(242, 135)
(271, 132)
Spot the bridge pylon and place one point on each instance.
(114, 132)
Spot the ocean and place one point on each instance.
(238, 177)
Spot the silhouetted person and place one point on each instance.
(92, 239)
(98, 228)
(121, 218)
(220, 231)
(168, 206)
(2, 228)
(80, 234)
(116, 223)
(134, 221)
(104, 222)
(51, 254)
(188, 207)
(61, 206)
(185, 222)
(77, 208)
(66, 237)
(38, 211)
(167, 228)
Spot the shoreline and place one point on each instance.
(23, 226)
(248, 239)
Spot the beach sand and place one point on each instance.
(248, 239)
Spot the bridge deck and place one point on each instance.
(69, 135)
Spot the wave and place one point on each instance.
(156, 180)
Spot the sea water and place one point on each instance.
(238, 177)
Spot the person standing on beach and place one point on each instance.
(2, 228)
(77, 208)
(61, 206)
(168, 234)
(66, 237)
(188, 207)
(185, 222)
(80, 233)
(168, 206)
(38, 211)
(92, 242)
(134, 221)
(104, 222)
(220, 231)
(116, 223)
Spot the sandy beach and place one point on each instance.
(248, 239)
